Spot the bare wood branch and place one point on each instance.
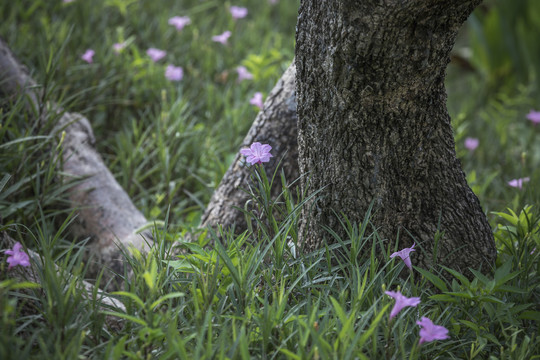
(106, 214)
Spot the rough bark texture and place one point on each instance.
(373, 126)
(105, 212)
(275, 125)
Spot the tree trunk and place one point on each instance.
(373, 126)
(275, 125)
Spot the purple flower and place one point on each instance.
(430, 331)
(17, 256)
(179, 22)
(118, 47)
(273, 1)
(88, 55)
(404, 255)
(257, 153)
(238, 12)
(257, 100)
(243, 73)
(401, 302)
(518, 183)
(534, 116)
(471, 143)
(222, 38)
(156, 54)
(174, 73)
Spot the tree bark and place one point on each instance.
(373, 126)
(105, 213)
(275, 125)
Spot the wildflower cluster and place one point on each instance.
(258, 153)
(429, 331)
(176, 73)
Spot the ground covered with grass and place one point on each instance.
(169, 122)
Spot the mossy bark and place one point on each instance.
(373, 127)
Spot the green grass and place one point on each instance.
(169, 144)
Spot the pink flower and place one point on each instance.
(238, 12)
(174, 73)
(273, 1)
(68, 1)
(179, 22)
(243, 73)
(118, 47)
(257, 153)
(17, 256)
(88, 55)
(518, 183)
(471, 143)
(404, 255)
(430, 331)
(401, 302)
(222, 38)
(534, 116)
(156, 54)
(257, 100)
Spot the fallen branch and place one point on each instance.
(106, 214)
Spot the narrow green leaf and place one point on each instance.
(530, 315)
(166, 297)
(373, 326)
(339, 310)
(131, 296)
(127, 317)
(457, 275)
(434, 279)
(290, 354)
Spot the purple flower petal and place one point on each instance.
(156, 54)
(257, 153)
(118, 47)
(401, 302)
(243, 73)
(88, 55)
(238, 12)
(518, 183)
(17, 256)
(404, 255)
(430, 331)
(257, 100)
(534, 116)
(471, 143)
(174, 73)
(222, 38)
(179, 22)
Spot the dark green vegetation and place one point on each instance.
(168, 144)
